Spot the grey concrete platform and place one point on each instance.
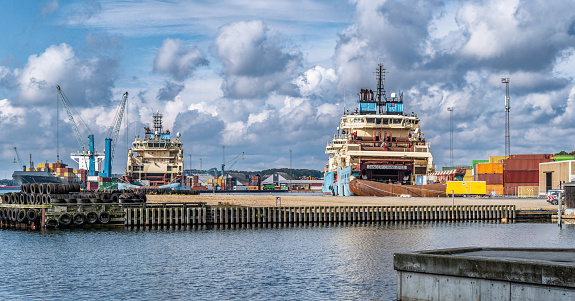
(486, 274)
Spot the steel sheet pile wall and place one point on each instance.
(522, 171)
(190, 214)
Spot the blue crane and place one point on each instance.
(231, 163)
(21, 165)
(90, 151)
(112, 137)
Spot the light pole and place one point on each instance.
(505, 81)
(290, 173)
(450, 109)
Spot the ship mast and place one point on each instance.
(380, 87)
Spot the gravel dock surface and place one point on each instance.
(317, 200)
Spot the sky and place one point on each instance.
(271, 79)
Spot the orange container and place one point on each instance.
(489, 168)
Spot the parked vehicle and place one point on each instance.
(553, 196)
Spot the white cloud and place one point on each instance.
(178, 60)
(10, 115)
(49, 7)
(254, 62)
(318, 81)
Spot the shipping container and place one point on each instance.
(491, 179)
(92, 185)
(466, 187)
(531, 157)
(474, 162)
(497, 159)
(489, 168)
(523, 164)
(523, 176)
(494, 189)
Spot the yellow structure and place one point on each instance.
(466, 187)
(497, 159)
(468, 175)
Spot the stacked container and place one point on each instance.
(492, 175)
(107, 183)
(522, 171)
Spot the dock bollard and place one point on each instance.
(278, 199)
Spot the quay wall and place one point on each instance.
(486, 274)
(184, 214)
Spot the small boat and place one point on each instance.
(5, 187)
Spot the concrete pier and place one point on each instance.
(200, 214)
(486, 274)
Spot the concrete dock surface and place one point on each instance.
(265, 200)
(486, 274)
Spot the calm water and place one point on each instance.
(335, 262)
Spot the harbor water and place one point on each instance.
(302, 262)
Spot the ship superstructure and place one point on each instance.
(376, 142)
(157, 159)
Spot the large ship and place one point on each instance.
(23, 177)
(379, 150)
(49, 173)
(156, 160)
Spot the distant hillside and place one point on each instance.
(296, 173)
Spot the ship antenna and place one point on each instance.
(343, 101)
(380, 86)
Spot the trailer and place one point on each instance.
(466, 188)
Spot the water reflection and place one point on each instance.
(255, 262)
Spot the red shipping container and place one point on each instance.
(520, 184)
(491, 179)
(531, 157)
(521, 176)
(523, 165)
(92, 185)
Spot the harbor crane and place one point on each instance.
(112, 137)
(231, 163)
(89, 151)
(20, 163)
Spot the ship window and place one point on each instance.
(370, 120)
(162, 145)
(397, 121)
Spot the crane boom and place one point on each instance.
(231, 163)
(20, 160)
(112, 137)
(90, 151)
(71, 119)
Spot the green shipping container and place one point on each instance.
(474, 162)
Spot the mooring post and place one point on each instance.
(559, 204)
